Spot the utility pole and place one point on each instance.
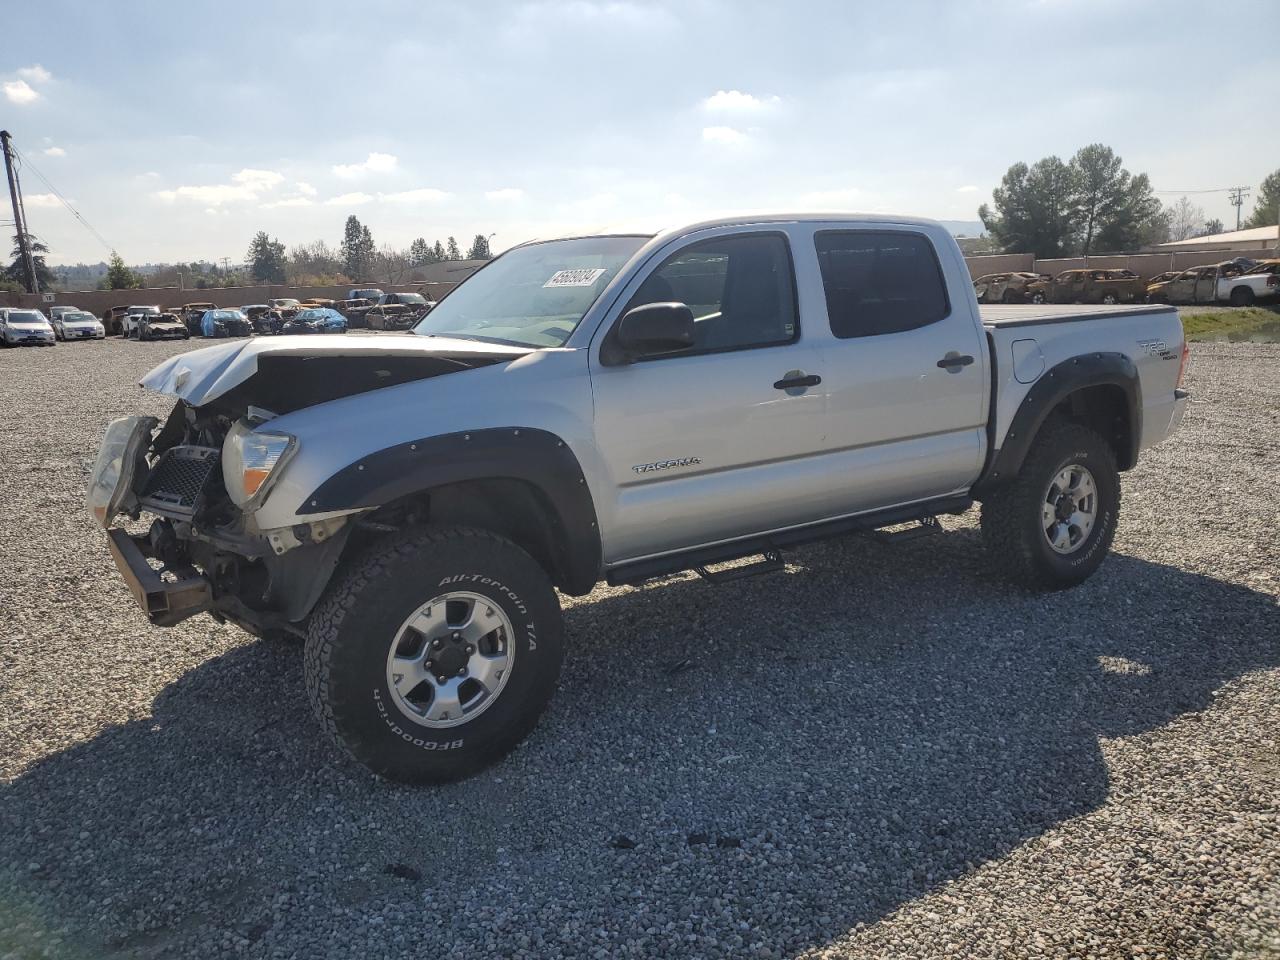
(1237, 200)
(19, 220)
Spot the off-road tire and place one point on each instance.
(350, 633)
(1241, 297)
(1011, 516)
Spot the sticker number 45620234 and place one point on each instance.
(574, 278)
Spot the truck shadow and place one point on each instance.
(799, 753)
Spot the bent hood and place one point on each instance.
(288, 373)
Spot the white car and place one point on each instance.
(19, 327)
(129, 325)
(77, 325)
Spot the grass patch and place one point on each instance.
(1201, 326)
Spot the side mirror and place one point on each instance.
(655, 328)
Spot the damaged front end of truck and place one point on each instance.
(186, 491)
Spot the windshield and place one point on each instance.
(26, 316)
(1270, 267)
(369, 293)
(151, 309)
(415, 298)
(79, 317)
(319, 313)
(227, 315)
(532, 296)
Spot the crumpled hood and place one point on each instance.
(202, 376)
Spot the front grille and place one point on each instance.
(178, 480)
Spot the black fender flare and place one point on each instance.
(1054, 386)
(536, 457)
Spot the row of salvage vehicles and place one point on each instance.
(1239, 282)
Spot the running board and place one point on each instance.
(927, 527)
(770, 562)
(638, 571)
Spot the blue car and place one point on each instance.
(316, 320)
(225, 323)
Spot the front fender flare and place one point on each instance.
(537, 457)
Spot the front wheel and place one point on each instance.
(1037, 297)
(1110, 299)
(1051, 527)
(435, 654)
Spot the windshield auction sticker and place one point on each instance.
(574, 278)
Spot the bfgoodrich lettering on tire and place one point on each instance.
(1051, 527)
(435, 653)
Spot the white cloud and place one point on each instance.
(41, 200)
(348, 200)
(288, 202)
(735, 101)
(421, 195)
(828, 199)
(246, 185)
(304, 188)
(503, 195)
(35, 73)
(723, 135)
(54, 152)
(968, 188)
(20, 92)
(374, 163)
(258, 179)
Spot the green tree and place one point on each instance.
(1033, 209)
(266, 259)
(1266, 208)
(357, 250)
(1212, 227)
(452, 252)
(419, 253)
(437, 253)
(120, 277)
(1101, 184)
(479, 248)
(16, 273)
(1137, 220)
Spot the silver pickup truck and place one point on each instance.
(615, 408)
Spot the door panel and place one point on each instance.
(700, 445)
(900, 427)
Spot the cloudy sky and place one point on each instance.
(178, 130)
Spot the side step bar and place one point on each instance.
(925, 528)
(770, 562)
(771, 545)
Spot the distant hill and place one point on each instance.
(967, 228)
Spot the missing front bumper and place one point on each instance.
(165, 602)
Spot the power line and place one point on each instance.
(63, 200)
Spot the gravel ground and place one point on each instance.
(882, 752)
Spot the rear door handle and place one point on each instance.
(955, 360)
(812, 380)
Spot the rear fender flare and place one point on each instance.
(1053, 387)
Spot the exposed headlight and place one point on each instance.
(251, 460)
(123, 449)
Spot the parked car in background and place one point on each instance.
(1089, 286)
(1259, 282)
(77, 325)
(160, 326)
(191, 314)
(415, 301)
(355, 310)
(1230, 281)
(113, 320)
(19, 327)
(129, 325)
(283, 303)
(225, 322)
(56, 312)
(372, 294)
(316, 320)
(265, 318)
(312, 302)
(391, 316)
(1161, 278)
(1005, 287)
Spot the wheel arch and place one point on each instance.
(523, 483)
(1099, 390)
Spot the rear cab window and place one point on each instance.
(879, 282)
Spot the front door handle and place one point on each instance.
(954, 359)
(797, 380)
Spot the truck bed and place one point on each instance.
(1000, 315)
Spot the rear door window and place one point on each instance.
(880, 282)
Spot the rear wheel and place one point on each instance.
(1051, 527)
(1037, 297)
(435, 654)
(1110, 299)
(1241, 297)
